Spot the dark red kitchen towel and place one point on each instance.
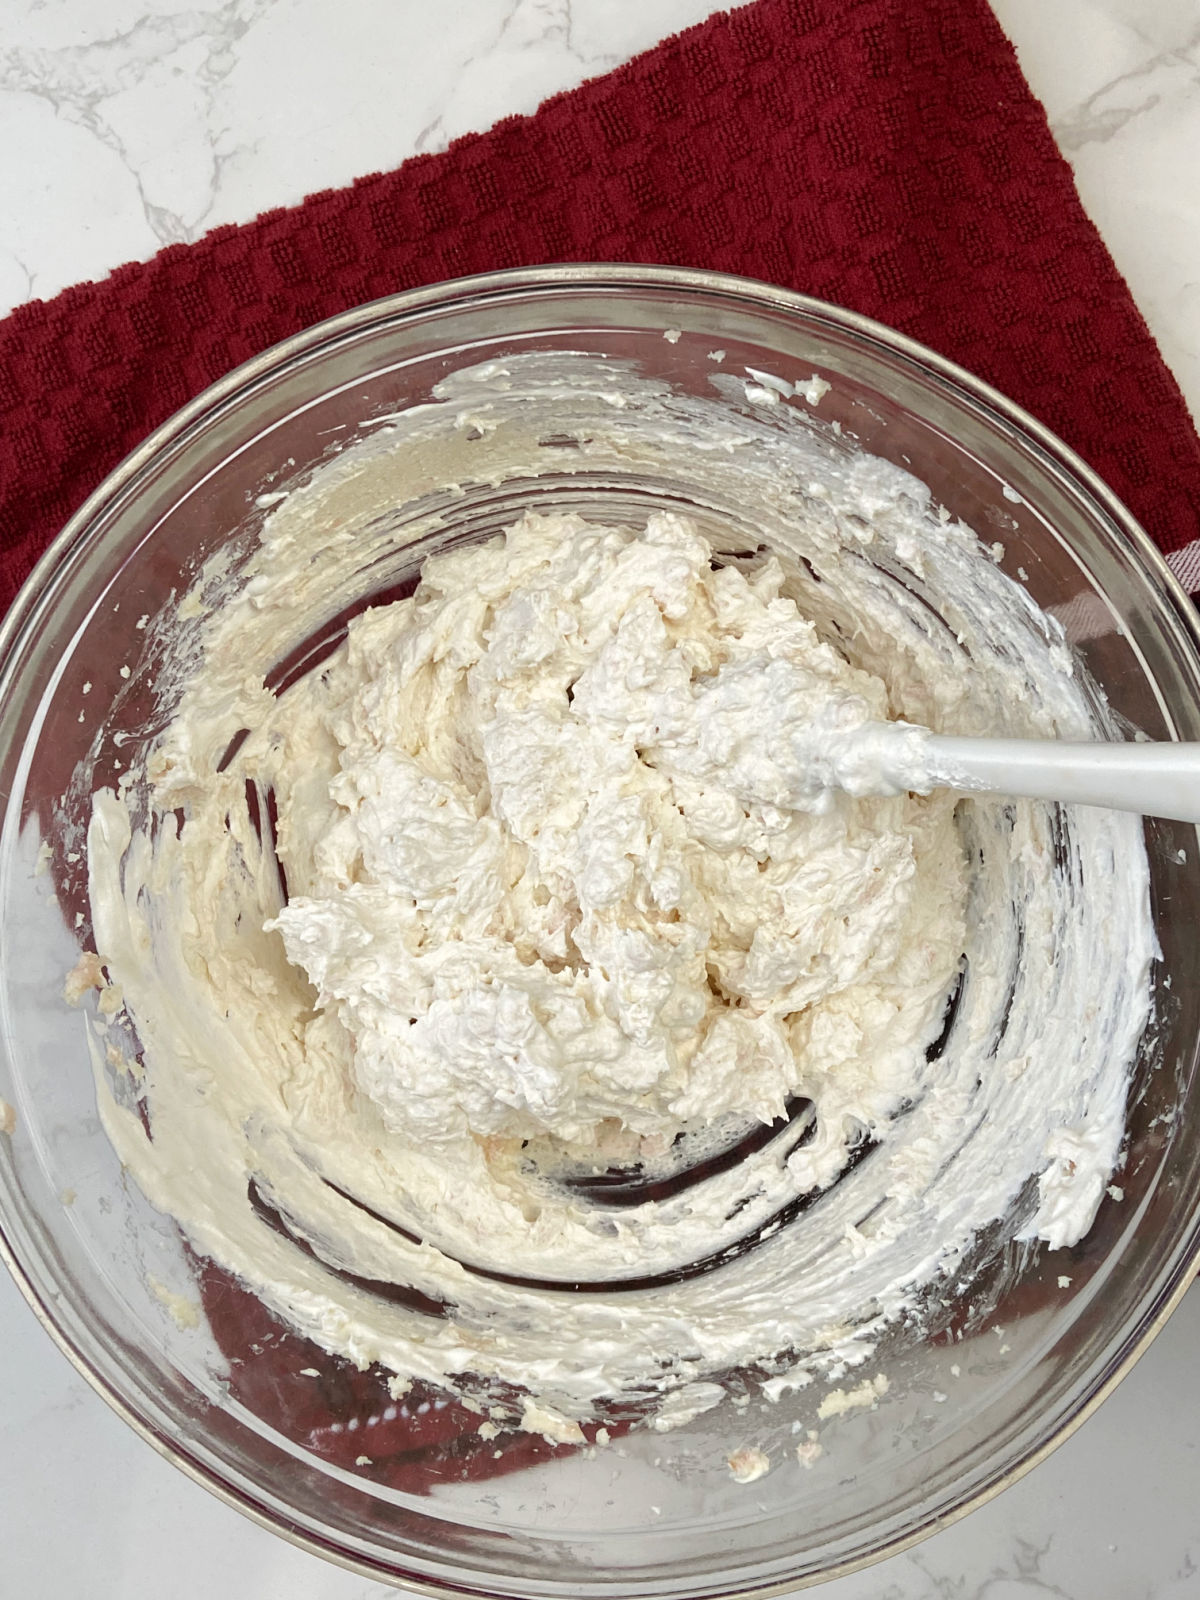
(881, 154)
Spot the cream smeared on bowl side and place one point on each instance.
(511, 1009)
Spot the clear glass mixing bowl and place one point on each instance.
(653, 1514)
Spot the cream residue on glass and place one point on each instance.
(512, 1008)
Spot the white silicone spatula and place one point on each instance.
(1157, 780)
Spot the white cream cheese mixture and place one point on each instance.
(507, 1003)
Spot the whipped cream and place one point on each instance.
(561, 887)
(511, 999)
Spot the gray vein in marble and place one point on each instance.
(1025, 1569)
(1096, 121)
(24, 270)
(78, 81)
(557, 25)
(523, 27)
(432, 136)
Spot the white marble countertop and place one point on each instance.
(127, 126)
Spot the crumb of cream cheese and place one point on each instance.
(553, 1427)
(796, 1377)
(85, 975)
(748, 1464)
(185, 1311)
(111, 1000)
(809, 1451)
(866, 1394)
